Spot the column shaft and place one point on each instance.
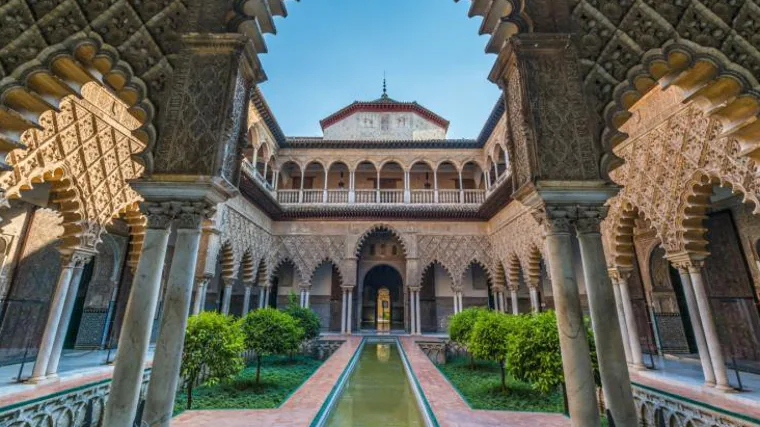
(247, 300)
(262, 292)
(349, 315)
(63, 327)
(576, 360)
(53, 320)
(534, 299)
(308, 294)
(226, 298)
(136, 327)
(418, 315)
(343, 310)
(711, 332)
(171, 337)
(515, 308)
(412, 323)
(621, 319)
(197, 307)
(696, 324)
(613, 367)
(630, 323)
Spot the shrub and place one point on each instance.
(270, 331)
(534, 353)
(213, 341)
(489, 339)
(306, 319)
(460, 327)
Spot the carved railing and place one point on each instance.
(287, 196)
(391, 196)
(81, 406)
(366, 196)
(423, 196)
(448, 196)
(337, 196)
(313, 196)
(474, 196)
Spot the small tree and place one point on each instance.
(534, 353)
(270, 331)
(461, 325)
(306, 319)
(489, 339)
(215, 342)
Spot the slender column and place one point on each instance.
(412, 323)
(247, 300)
(613, 368)
(200, 294)
(352, 187)
(349, 316)
(227, 297)
(630, 323)
(461, 301)
(300, 189)
(343, 310)
(306, 301)
(407, 187)
(164, 376)
(515, 308)
(696, 322)
(68, 309)
(708, 324)
(70, 261)
(276, 180)
(138, 320)
(534, 299)
(576, 360)
(615, 277)
(324, 189)
(418, 314)
(435, 186)
(267, 296)
(378, 187)
(461, 188)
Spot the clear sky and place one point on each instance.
(328, 53)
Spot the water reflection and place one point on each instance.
(383, 352)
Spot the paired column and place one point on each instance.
(632, 332)
(247, 299)
(513, 295)
(171, 337)
(227, 296)
(613, 367)
(346, 310)
(343, 312)
(534, 304)
(615, 278)
(59, 315)
(412, 312)
(696, 321)
(576, 360)
(201, 284)
(262, 294)
(134, 338)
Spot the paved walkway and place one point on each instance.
(299, 410)
(684, 377)
(452, 411)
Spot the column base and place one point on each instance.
(42, 379)
(725, 388)
(637, 367)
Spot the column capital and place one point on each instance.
(619, 273)
(347, 288)
(77, 258)
(499, 288)
(555, 219)
(589, 219)
(415, 288)
(687, 262)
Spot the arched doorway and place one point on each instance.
(382, 283)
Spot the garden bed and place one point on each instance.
(481, 388)
(280, 377)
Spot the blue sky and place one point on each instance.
(328, 53)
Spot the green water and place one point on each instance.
(377, 394)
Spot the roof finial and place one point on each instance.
(385, 89)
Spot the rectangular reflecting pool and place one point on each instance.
(377, 393)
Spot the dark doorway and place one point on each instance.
(382, 276)
(76, 314)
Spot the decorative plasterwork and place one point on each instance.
(408, 244)
(670, 167)
(86, 152)
(307, 252)
(517, 242)
(656, 409)
(456, 253)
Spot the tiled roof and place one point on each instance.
(383, 104)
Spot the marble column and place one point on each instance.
(461, 300)
(534, 299)
(68, 265)
(696, 322)
(68, 309)
(308, 296)
(637, 359)
(349, 314)
(227, 297)
(200, 294)
(262, 293)
(343, 310)
(708, 325)
(267, 294)
(613, 368)
(515, 307)
(134, 338)
(247, 299)
(165, 373)
(576, 360)
(615, 278)
(418, 313)
(412, 323)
